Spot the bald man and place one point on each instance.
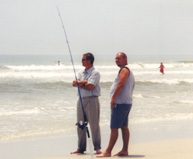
(121, 102)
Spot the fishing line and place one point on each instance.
(84, 124)
(85, 119)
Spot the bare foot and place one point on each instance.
(98, 151)
(122, 153)
(77, 152)
(104, 154)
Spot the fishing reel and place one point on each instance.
(81, 124)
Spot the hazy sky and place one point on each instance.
(100, 26)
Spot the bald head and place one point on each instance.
(122, 54)
(121, 59)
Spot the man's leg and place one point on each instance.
(125, 136)
(81, 132)
(125, 132)
(81, 141)
(93, 115)
(113, 139)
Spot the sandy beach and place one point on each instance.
(143, 145)
(171, 149)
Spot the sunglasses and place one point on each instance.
(83, 59)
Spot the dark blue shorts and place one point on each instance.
(119, 115)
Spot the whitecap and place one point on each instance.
(20, 112)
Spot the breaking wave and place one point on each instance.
(145, 73)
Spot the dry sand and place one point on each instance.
(171, 149)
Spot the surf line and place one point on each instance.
(80, 124)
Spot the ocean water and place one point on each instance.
(38, 100)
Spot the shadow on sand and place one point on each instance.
(132, 156)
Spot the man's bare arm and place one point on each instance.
(122, 80)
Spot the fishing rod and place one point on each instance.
(80, 124)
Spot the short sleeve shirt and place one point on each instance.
(93, 77)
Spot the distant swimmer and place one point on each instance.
(161, 68)
(58, 63)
